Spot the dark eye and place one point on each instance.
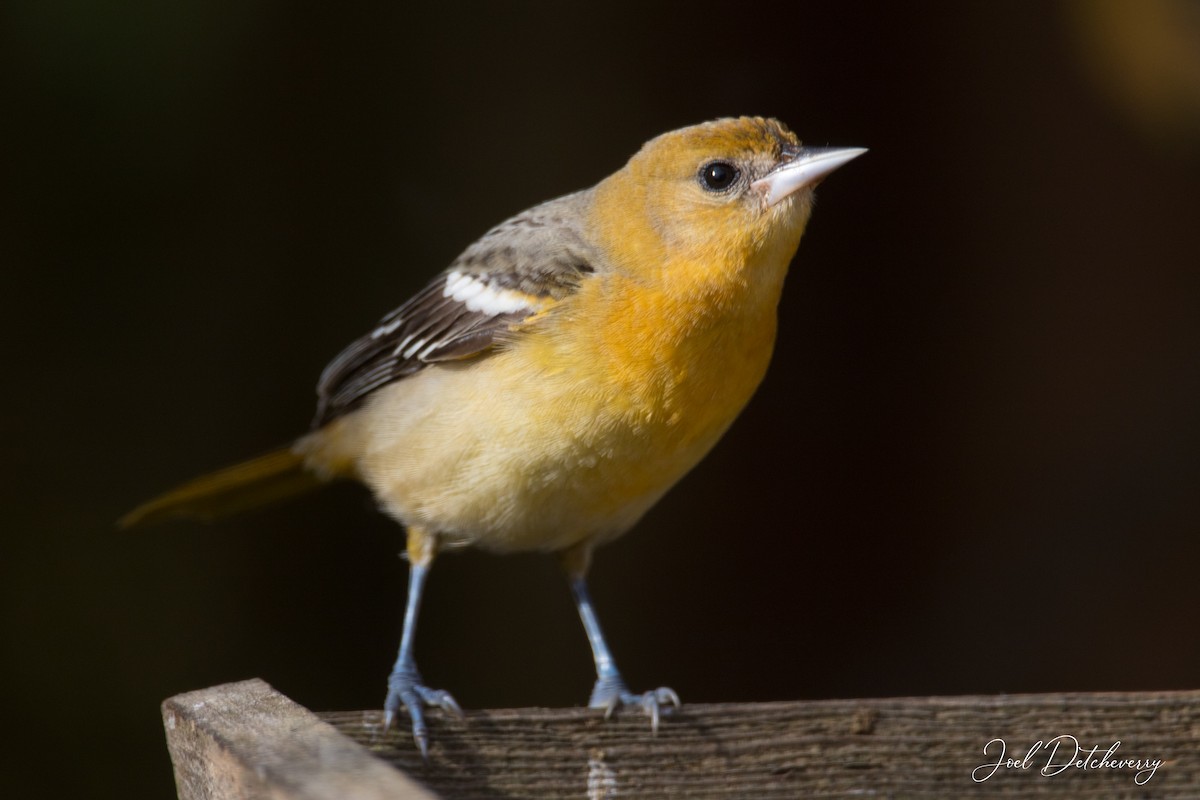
(717, 176)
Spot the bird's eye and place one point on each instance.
(717, 176)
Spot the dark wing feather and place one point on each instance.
(519, 268)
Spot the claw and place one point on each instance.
(440, 698)
(405, 688)
(653, 702)
(613, 704)
(422, 741)
(610, 694)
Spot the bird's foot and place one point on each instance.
(610, 693)
(405, 689)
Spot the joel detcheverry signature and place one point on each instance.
(1050, 757)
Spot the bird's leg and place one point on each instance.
(404, 684)
(610, 690)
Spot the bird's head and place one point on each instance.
(729, 194)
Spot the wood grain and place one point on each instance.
(923, 747)
(246, 741)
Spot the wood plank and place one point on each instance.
(245, 741)
(899, 747)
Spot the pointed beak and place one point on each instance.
(806, 169)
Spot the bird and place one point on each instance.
(559, 376)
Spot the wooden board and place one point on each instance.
(900, 747)
(245, 741)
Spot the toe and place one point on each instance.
(654, 702)
(406, 690)
(439, 698)
(667, 695)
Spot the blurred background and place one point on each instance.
(972, 468)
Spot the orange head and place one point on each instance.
(723, 197)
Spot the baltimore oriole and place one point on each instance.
(561, 375)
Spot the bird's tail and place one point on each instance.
(262, 480)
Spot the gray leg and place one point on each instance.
(405, 686)
(610, 690)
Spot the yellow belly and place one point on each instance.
(558, 439)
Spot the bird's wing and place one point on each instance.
(520, 268)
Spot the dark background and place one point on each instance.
(972, 468)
